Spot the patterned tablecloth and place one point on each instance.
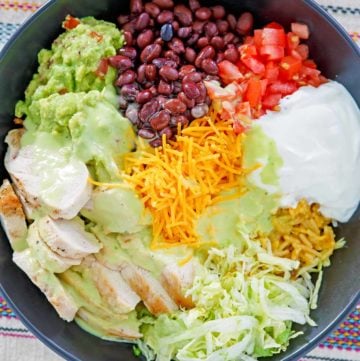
(18, 344)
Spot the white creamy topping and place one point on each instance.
(317, 133)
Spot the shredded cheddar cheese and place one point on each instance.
(179, 180)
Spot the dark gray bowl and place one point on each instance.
(337, 56)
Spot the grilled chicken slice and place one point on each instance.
(114, 289)
(175, 279)
(68, 238)
(30, 202)
(109, 329)
(148, 288)
(48, 259)
(13, 139)
(48, 283)
(62, 189)
(12, 217)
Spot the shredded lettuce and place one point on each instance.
(246, 302)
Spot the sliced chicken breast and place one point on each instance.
(148, 289)
(29, 208)
(176, 279)
(48, 259)
(13, 139)
(47, 282)
(68, 238)
(62, 189)
(108, 329)
(12, 217)
(30, 202)
(114, 289)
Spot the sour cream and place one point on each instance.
(317, 133)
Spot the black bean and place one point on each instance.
(146, 133)
(166, 32)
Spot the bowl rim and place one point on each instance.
(302, 350)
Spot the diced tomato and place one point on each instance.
(229, 107)
(295, 54)
(271, 101)
(254, 64)
(272, 36)
(310, 64)
(303, 50)
(272, 64)
(274, 25)
(284, 88)
(247, 50)
(249, 40)
(103, 68)
(264, 83)
(289, 67)
(244, 109)
(258, 38)
(215, 91)
(301, 30)
(253, 92)
(317, 81)
(70, 22)
(293, 41)
(238, 127)
(310, 72)
(272, 52)
(271, 71)
(96, 36)
(229, 72)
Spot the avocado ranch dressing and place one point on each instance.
(74, 128)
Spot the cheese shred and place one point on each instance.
(179, 180)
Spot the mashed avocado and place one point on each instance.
(67, 97)
(98, 133)
(71, 63)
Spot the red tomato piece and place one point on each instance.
(274, 25)
(238, 127)
(103, 68)
(229, 72)
(303, 50)
(271, 100)
(272, 36)
(310, 63)
(272, 52)
(293, 41)
(244, 109)
(249, 40)
(271, 71)
(310, 72)
(301, 30)
(284, 88)
(289, 67)
(253, 92)
(70, 22)
(254, 64)
(258, 38)
(264, 83)
(248, 50)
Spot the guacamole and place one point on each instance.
(72, 62)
